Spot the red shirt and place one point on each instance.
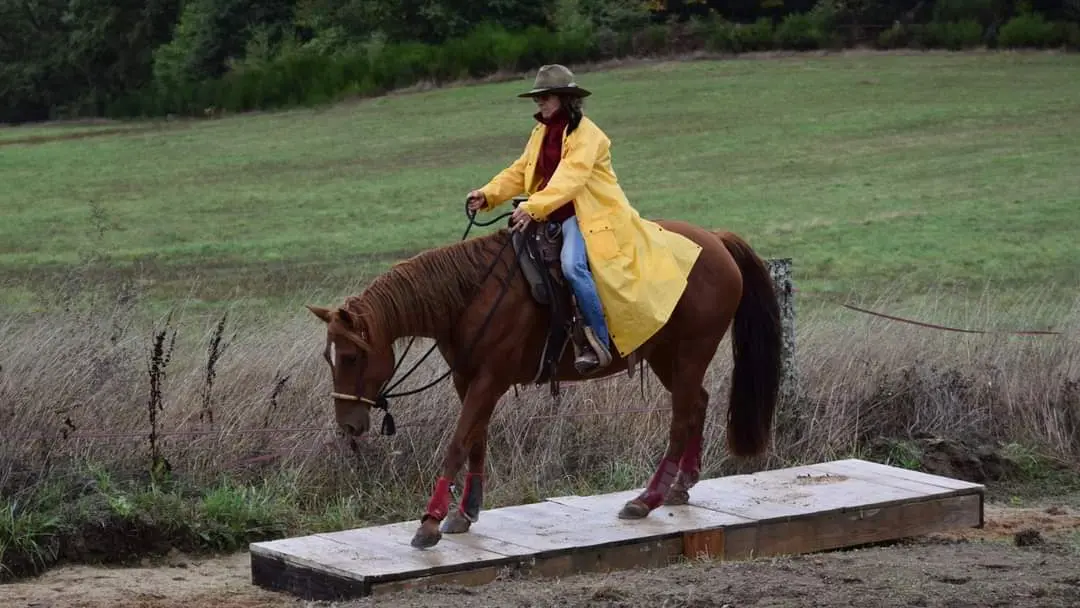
(550, 155)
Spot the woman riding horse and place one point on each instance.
(668, 291)
(626, 273)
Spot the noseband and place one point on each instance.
(348, 397)
(388, 426)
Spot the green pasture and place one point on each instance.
(876, 173)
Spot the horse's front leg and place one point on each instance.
(471, 430)
(472, 497)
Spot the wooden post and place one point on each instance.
(780, 269)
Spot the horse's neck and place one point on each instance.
(427, 295)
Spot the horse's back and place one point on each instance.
(715, 259)
(714, 286)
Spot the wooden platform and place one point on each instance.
(787, 511)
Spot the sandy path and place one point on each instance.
(969, 568)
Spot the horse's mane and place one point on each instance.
(425, 293)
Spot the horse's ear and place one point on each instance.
(319, 311)
(354, 328)
(346, 318)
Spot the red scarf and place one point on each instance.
(550, 155)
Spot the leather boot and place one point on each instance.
(594, 357)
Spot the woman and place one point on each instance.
(626, 273)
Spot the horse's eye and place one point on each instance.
(348, 359)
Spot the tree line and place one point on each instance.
(121, 58)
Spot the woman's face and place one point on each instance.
(548, 104)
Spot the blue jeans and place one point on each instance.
(575, 266)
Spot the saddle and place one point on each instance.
(538, 250)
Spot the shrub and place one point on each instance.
(953, 35)
(718, 35)
(651, 40)
(727, 37)
(1027, 30)
(955, 11)
(895, 37)
(801, 32)
(317, 72)
(756, 36)
(542, 45)
(611, 44)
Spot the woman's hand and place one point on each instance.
(519, 219)
(476, 200)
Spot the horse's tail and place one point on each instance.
(756, 344)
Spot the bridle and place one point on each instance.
(348, 397)
(382, 400)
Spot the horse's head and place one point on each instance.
(358, 368)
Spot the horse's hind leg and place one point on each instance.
(682, 373)
(690, 462)
(690, 459)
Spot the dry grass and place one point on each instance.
(68, 379)
(80, 395)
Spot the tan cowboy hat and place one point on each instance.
(557, 80)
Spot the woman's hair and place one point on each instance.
(573, 107)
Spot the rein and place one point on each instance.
(382, 401)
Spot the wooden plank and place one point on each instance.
(307, 581)
(794, 492)
(332, 556)
(853, 470)
(663, 520)
(706, 544)
(795, 510)
(703, 530)
(465, 578)
(654, 553)
(357, 559)
(398, 559)
(868, 470)
(551, 527)
(857, 527)
(466, 547)
(574, 560)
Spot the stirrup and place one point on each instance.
(594, 361)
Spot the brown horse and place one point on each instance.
(471, 299)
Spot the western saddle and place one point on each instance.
(538, 249)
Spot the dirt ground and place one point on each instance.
(1023, 557)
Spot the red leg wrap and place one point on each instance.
(660, 482)
(472, 497)
(690, 464)
(439, 505)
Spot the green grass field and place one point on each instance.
(945, 182)
(876, 173)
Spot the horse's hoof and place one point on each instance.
(427, 535)
(456, 523)
(635, 509)
(677, 497)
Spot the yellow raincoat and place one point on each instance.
(640, 269)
